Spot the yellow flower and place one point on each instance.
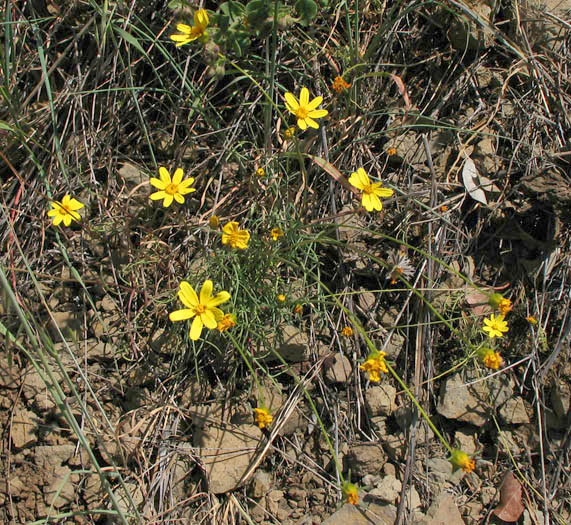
(375, 364)
(227, 322)
(350, 493)
(298, 309)
(499, 302)
(531, 320)
(371, 190)
(495, 326)
(190, 33)
(171, 189)
(444, 208)
(304, 110)
(490, 358)
(391, 152)
(65, 211)
(281, 298)
(263, 417)
(235, 237)
(339, 85)
(276, 233)
(289, 133)
(347, 331)
(461, 460)
(203, 309)
(260, 172)
(214, 222)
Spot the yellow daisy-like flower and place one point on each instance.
(65, 211)
(234, 236)
(227, 322)
(495, 326)
(531, 320)
(281, 298)
(171, 189)
(350, 493)
(260, 172)
(203, 309)
(347, 331)
(461, 460)
(339, 85)
(374, 365)
(276, 233)
(263, 417)
(190, 33)
(499, 302)
(372, 191)
(304, 110)
(490, 358)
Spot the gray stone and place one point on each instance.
(24, 425)
(443, 512)
(338, 369)
(388, 489)
(380, 400)
(261, 483)
(365, 458)
(514, 411)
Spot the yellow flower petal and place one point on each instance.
(181, 315)
(304, 97)
(292, 102)
(196, 328)
(187, 295)
(206, 292)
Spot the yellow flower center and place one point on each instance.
(199, 309)
(64, 210)
(172, 189)
(302, 113)
(369, 189)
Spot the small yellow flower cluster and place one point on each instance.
(498, 302)
(490, 358)
(263, 417)
(495, 326)
(374, 365)
(347, 331)
(339, 85)
(461, 460)
(350, 493)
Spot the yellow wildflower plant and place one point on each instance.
(276, 233)
(374, 365)
(227, 322)
(65, 211)
(461, 460)
(263, 417)
(281, 298)
(372, 191)
(490, 358)
(339, 85)
(347, 331)
(190, 33)
(260, 172)
(499, 302)
(495, 326)
(204, 308)
(171, 189)
(234, 236)
(350, 493)
(304, 110)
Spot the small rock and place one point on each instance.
(380, 400)
(466, 438)
(366, 458)
(226, 452)
(388, 489)
(338, 369)
(131, 175)
(395, 445)
(261, 483)
(60, 492)
(295, 344)
(53, 456)
(561, 399)
(349, 514)
(367, 300)
(69, 324)
(394, 346)
(443, 512)
(514, 411)
(23, 427)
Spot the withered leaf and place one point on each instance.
(510, 507)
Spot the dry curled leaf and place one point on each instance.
(510, 507)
